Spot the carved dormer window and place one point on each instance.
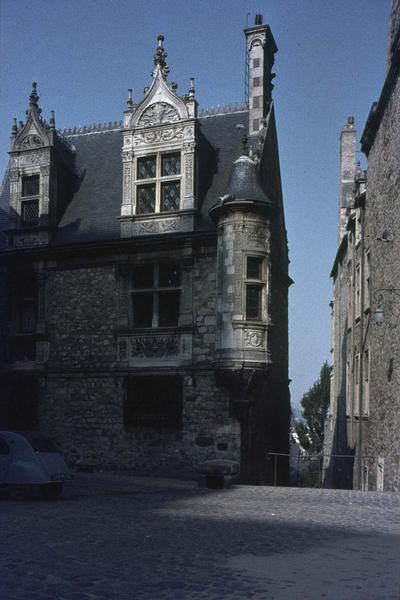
(158, 183)
(30, 190)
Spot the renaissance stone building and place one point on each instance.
(145, 280)
(364, 415)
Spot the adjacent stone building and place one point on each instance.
(144, 280)
(364, 416)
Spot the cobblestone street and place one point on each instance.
(117, 537)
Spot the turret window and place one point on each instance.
(30, 186)
(255, 283)
(162, 190)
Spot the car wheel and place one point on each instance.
(51, 491)
(21, 492)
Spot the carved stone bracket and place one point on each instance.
(253, 338)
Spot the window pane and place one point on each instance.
(146, 167)
(146, 199)
(154, 402)
(254, 267)
(171, 164)
(143, 277)
(168, 309)
(253, 302)
(30, 185)
(143, 310)
(26, 318)
(170, 275)
(170, 196)
(30, 212)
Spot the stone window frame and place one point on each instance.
(155, 290)
(32, 200)
(357, 384)
(157, 181)
(255, 282)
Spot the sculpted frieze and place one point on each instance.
(148, 227)
(31, 141)
(162, 135)
(30, 239)
(154, 346)
(254, 339)
(188, 173)
(256, 236)
(159, 112)
(33, 158)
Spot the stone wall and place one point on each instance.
(83, 394)
(383, 214)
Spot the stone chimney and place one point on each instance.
(347, 172)
(260, 50)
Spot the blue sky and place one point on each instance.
(85, 54)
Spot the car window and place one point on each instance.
(43, 444)
(4, 447)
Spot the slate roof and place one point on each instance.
(91, 215)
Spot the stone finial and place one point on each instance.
(145, 89)
(14, 128)
(33, 98)
(350, 123)
(129, 102)
(174, 87)
(160, 58)
(244, 139)
(52, 122)
(192, 91)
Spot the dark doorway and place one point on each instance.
(19, 403)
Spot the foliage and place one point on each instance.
(310, 430)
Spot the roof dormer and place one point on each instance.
(159, 157)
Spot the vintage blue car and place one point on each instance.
(31, 461)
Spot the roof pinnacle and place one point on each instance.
(159, 58)
(33, 98)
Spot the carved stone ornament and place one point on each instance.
(257, 236)
(189, 173)
(31, 141)
(153, 137)
(254, 339)
(127, 156)
(160, 112)
(148, 227)
(154, 346)
(33, 158)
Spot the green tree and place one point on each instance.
(315, 405)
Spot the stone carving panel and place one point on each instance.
(254, 338)
(152, 346)
(34, 158)
(159, 112)
(188, 173)
(257, 236)
(154, 137)
(149, 227)
(31, 141)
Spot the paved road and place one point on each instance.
(116, 537)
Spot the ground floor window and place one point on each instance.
(19, 403)
(154, 402)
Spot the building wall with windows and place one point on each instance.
(145, 279)
(364, 419)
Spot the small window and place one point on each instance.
(169, 275)
(256, 102)
(154, 402)
(256, 62)
(143, 309)
(143, 277)
(254, 267)
(26, 318)
(256, 124)
(168, 309)
(170, 196)
(256, 81)
(146, 167)
(158, 304)
(30, 212)
(30, 185)
(253, 302)
(170, 164)
(146, 199)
